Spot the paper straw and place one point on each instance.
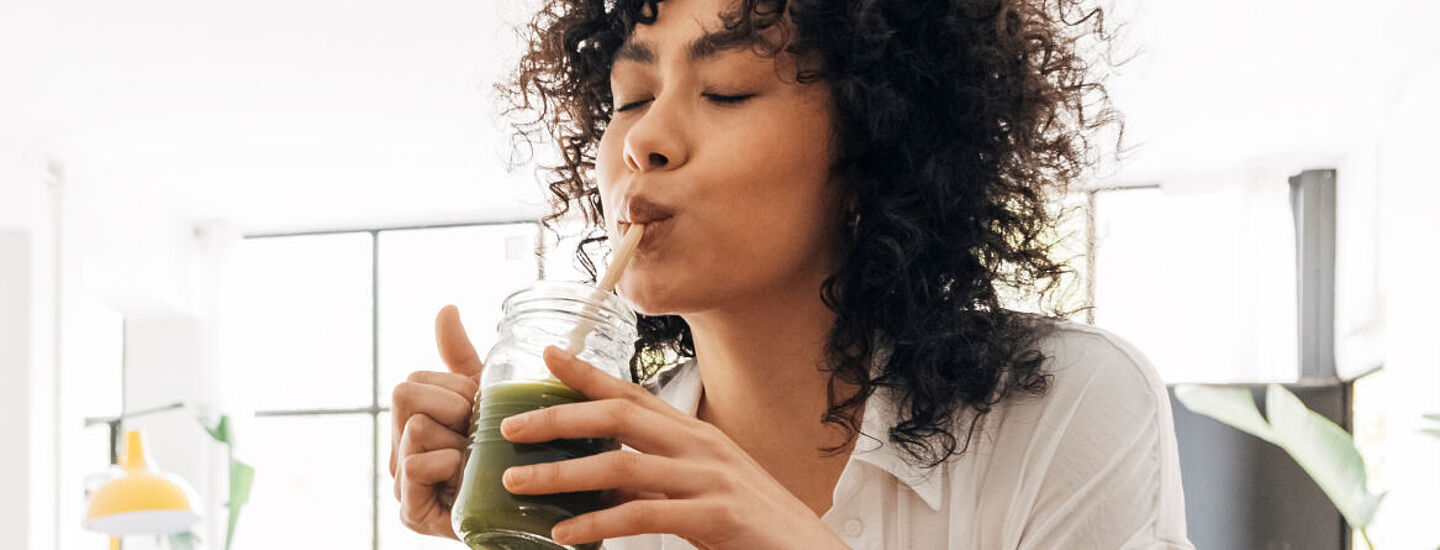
(628, 245)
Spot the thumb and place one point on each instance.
(455, 347)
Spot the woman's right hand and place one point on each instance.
(431, 414)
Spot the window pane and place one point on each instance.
(312, 483)
(1203, 283)
(422, 270)
(393, 534)
(300, 324)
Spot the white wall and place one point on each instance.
(16, 270)
(1409, 196)
(27, 345)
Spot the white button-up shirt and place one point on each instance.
(1091, 464)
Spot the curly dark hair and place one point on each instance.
(958, 122)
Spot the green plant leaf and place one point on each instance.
(1433, 416)
(242, 476)
(1432, 431)
(183, 541)
(1230, 405)
(1325, 451)
(221, 431)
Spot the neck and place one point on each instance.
(761, 368)
(765, 358)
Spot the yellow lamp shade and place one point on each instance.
(142, 500)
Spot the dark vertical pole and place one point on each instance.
(1312, 203)
(114, 441)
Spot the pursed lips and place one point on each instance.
(655, 217)
(643, 210)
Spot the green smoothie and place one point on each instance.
(488, 517)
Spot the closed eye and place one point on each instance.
(729, 99)
(717, 98)
(629, 106)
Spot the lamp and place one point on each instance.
(142, 500)
(166, 510)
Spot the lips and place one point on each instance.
(644, 210)
(655, 217)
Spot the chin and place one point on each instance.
(647, 300)
(653, 294)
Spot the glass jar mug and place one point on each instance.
(515, 380)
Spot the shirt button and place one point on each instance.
(853, 527)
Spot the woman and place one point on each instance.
(836, 195)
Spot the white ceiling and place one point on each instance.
(298, 114)
(1225, 83)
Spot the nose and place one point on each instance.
(657, 140)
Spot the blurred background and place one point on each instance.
(256, 209)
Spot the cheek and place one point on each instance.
(798, 196)
(789, 182)
(609, 149)
(779, 217)
(609, 164)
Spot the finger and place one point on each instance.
(464, 386)
(420, 506)
(597, 384)
(621, 495)
(441, 404)
(689, 518)
(424, 434)
(609, 470)
(645, 430)
(455, 348)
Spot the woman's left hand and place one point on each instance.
(688, 479)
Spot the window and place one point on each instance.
(325, 325)
(1200, 279)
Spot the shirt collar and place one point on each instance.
(875, 448)
(681, 388)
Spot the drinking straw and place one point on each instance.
(628, 245)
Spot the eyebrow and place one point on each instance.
(706, 46)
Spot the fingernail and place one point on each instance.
(509, 425)
(515, 475)
(560, 533)
(562, 354)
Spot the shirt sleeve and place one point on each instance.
(1105, 460)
